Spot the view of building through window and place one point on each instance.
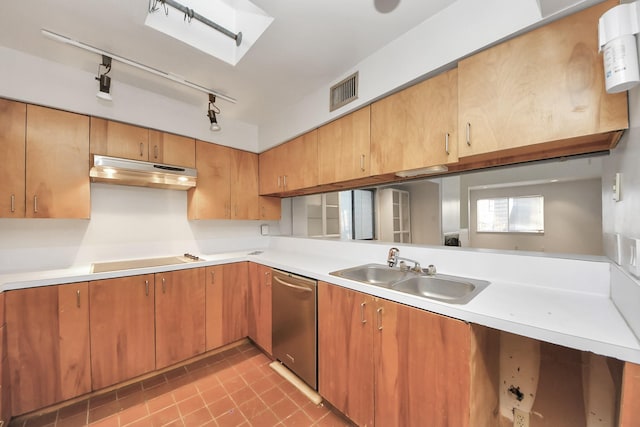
(511, 215)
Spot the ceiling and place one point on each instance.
(308, 45)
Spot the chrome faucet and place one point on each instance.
(393, 258)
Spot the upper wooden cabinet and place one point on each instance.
(126, 141)
(57, 164)
(227, 184)
(12, 152)
(211, 198)
(343, 148)
(270, 208)
(545, 85)
(290, 166)
(48, 345)
(117, 139)
(416, 127)
(180, 315)
(244, 185)
(122, 329)
(172, 149)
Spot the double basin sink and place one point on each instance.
(440, 287)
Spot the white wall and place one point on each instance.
(126, 222)
(425, 212)
(34, 80)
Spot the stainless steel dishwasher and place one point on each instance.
(294, 324)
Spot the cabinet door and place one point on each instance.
(48, 345)
(300, 162)
(180, 305)
(422, 367)
(270, 208)
(542, 86)
(57, 160)
(210, 199)
(244, 185)
(259, 316)
(122, 329)
(12, 153)
(630, 399)
(226, 304)
(172, 149)
(345, 347)
(416, 127)
(270, 170)
(343, 148)
(119, 139)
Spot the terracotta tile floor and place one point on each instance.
(233, 388)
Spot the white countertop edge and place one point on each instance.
(624, 347)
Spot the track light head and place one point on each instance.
(211, 113)
(104, 79)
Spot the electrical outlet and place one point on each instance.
(520, 418)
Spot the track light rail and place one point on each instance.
(135, 64)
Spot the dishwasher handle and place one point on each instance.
(291, 285)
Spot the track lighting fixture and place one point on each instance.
(105, 81)
(211, 113)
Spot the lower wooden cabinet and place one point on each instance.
(383, 363)
(259, 310)
(122, 329)
(226, 303)
(47, 345)
(180, 314)
(345, 346)
(422, 367)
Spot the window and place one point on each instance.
(511, 215)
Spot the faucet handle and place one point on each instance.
(392, 258)
(431, 270)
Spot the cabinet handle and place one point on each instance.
(213, 277)
(155, 152)
(146, 287)
(35, 204)
(78, 298)
(164, 286)
(278, 181)
(141, 147)
(267, 274)
(446, 142)
(379, 311)
(235, 211)
(362, 162)
(362, 318)
(469, 134)
(13, 203)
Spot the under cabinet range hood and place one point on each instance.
(115, 170)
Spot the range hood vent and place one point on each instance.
(114, 170)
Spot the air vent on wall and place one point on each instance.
(343, 92)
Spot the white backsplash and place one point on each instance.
(126, 222)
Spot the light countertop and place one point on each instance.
(587, 321)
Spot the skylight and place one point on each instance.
(237, 16)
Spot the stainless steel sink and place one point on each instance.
(451, 289)
(441, 287)
(373, 274)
